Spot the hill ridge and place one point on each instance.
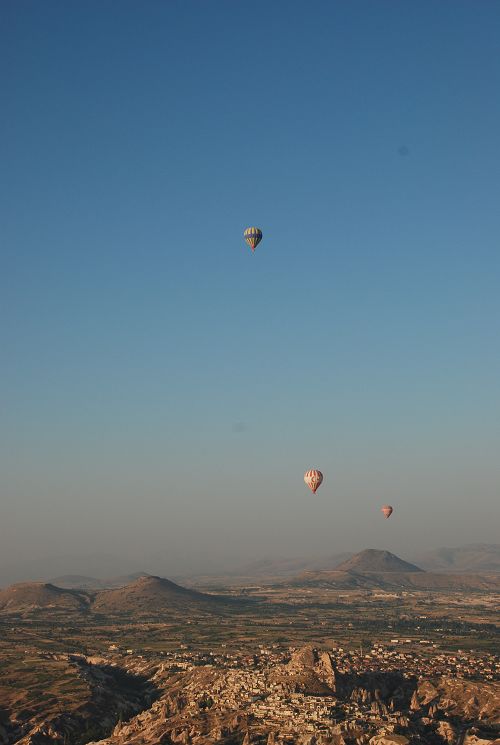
(153, 593)
(26, 596)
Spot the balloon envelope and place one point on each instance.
(313, 479)
(386, 510)
(253, 237)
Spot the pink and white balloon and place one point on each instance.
(387, 510)
(313, 479)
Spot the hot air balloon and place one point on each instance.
(313, 479)
(253, 237)
(386, 510)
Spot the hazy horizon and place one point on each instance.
(163, 389)
(184, 567)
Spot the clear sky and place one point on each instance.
(162, 389)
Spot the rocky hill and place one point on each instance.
(148, 594)
(32, 596)
(372, 560)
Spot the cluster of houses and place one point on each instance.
(412, 661)
(412, 657)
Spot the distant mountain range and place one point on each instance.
(79, 574)
(476, 557)
(473, 558)
(100, 565)
(276, 567)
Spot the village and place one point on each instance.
(339, 693)
(399, 655)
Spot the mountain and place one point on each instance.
(372, 560)
(372, 569)
(151, 593)
(29, 596)
(475, 557)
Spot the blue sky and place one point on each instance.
(160, 385)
